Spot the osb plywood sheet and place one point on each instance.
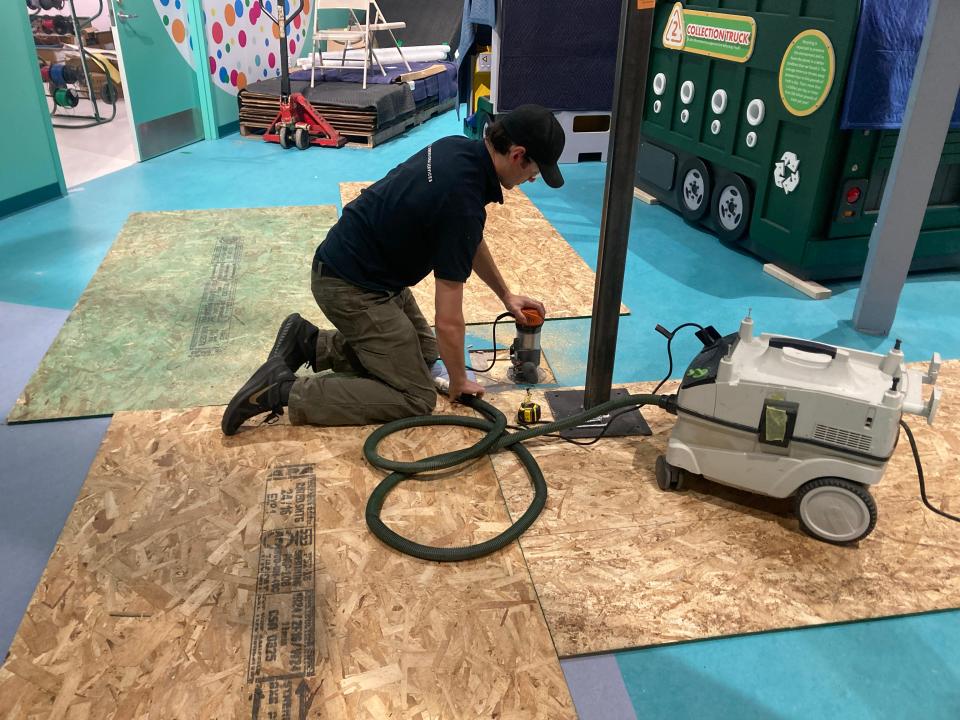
(182, 310)
(208, 577)
(532, 256)
(617, 563)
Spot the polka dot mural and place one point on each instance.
(173, 13)
(241, 40)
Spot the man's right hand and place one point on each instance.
(466, 387)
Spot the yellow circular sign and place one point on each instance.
(806, 72)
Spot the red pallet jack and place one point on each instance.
(297, 123)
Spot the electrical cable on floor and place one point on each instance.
(496, 438)
(573, 441)
(923, 487)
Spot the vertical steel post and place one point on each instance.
(636, 22)
(926, 121)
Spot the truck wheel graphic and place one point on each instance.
(730, 208)
(693, 189)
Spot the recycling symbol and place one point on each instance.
(786, 174)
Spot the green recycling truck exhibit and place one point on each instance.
(751, 129)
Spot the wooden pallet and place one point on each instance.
(359, 127)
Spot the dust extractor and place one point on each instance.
(784, 417)
(771, 414)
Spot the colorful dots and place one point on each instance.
(164, 2)
(268, 6)
(217, 33)
(177, 4)
(296, 22)
(241, 81)
(219, 54)
(238, 8)
(229, 16)
(178, 31)
(223, 75)
(256, 61)
(233, 78)
(276, 32)
(227, 47)
(271, 59)
(213, 65)
(242, 38)
(264, 72)
(293, 47)
(254, 14)
(166, 20)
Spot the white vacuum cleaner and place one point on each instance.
(785, 417)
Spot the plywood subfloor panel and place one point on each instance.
(182, 310)
(618, 563)
(532, 256)
(181, 539)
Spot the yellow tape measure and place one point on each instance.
(529, 411)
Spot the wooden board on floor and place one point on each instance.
(618, 563)
(532, 256)
(203, 577)
(184, 307)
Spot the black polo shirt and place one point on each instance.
(427, 215)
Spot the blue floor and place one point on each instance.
(905, 667)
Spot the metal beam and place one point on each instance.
(933, 94)
(636, 21)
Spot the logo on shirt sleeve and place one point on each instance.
(430, 163)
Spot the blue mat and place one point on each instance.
(43, 465)
(883, 63)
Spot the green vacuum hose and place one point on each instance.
(496, 438)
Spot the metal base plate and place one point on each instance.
(564, 403)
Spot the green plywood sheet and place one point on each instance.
(181, 312)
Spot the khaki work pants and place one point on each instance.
(379, 353)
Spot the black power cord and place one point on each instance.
(923, 487)
(669, 335)
(493, 362)
(572, 441)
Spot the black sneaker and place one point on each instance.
(296, 343)
(266, 391)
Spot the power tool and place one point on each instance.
(525, 350)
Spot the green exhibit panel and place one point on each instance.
(742, 134)
(183, 309)
(159, 75)
(30, 171)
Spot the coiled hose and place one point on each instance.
(497, 437)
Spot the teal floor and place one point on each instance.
(903, 667)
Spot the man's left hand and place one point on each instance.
(516, 303)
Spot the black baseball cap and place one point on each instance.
(536, 129)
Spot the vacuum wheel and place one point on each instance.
(286, 142)
(835, 510)
(668, 476)
(302, 138)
